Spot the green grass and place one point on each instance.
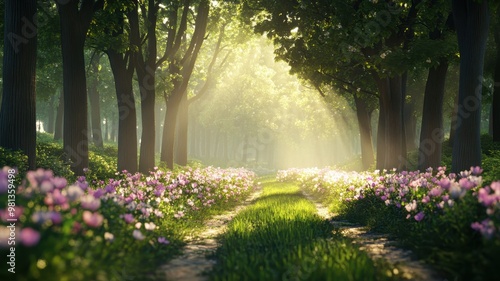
(281, 237)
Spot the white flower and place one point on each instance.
(138, 235)
(109, 236)
(150, 226)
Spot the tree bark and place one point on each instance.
(146, 74)
(472, 22)
(184, 68)
(127, 119)
(75, 17)
(52, 115)
(18, 110)
(95, 106)
(58, 127)
(365, 131)
(391, 149)
(182, 133)
(495, 104)
(432, 133)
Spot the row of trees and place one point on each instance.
(367, 49)
(138, 37)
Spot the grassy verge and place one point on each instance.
(281, 237)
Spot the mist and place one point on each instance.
(261, 117)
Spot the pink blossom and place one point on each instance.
(476, 170)
(163, 240)
(89, 202)
(93, 220)
(129, 218)
(29, 237)
(420, 216)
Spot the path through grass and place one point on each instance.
(281, 237)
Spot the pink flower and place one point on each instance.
(476, 170)
(129, 218)
(89, 202)
(486, 227)
(162, 240)
(466, 184)
(420, 216)
(92, 219)
(29, 237)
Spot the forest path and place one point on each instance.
(379, 245)
(195, 259)
(198, 255)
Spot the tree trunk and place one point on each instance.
(95, 107)
(127, 120)
(495, 104)
(390, 140)
(182, 132)
(75, 17)
(145, 66)
(18, 110)
(58, 127)
(167, 150)
(471, 21)
(365, 132)
(432, 133)
(51, 117)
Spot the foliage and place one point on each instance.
(109, 230)
(280, 237)
(14, 159)
(440, 216)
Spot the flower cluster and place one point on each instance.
(135, 209)
(417, 194)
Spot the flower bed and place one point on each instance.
(106, 230)
(442, 215)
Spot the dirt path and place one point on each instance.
(191, 265)
(380, 246)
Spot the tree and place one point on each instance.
(75, 17)
(471, 22)
(181, 62)
(495, 108)
(18, 112)
(114, 38)
(432, 132)
(93, 92)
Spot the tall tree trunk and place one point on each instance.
(472, 22)
(58, 126)
(168, 141)
(18, 110)
(495, 105)
(75, 17)
(184, 68)
(127, 119)
(146, 73)
(391, 127)
(182, 132)
(94, 99)
(365, 131)
(52, 115)
(431, 133)
(410, 123)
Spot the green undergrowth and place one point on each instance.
(281, 237)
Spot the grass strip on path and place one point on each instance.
(281, 237)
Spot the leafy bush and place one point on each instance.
(14, 159)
